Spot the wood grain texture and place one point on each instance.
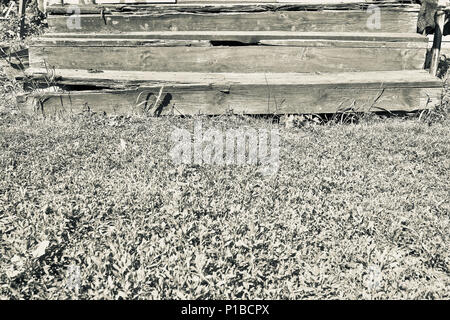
(329, 20)
(248, 37)
(273, 58)
(250, 100)
(242, 93)
(233, 6)
(374, 80)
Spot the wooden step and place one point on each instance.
(304, 16)
(162, 93)
(229, 51)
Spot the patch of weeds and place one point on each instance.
(9, 89)
(11, 46)
(34, 24)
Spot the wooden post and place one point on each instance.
(22, 7)
(437, 40)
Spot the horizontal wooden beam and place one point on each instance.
(241, 93)
(242, 36)
(124, 79)
(231, 6)
(278, 20)
(216, 56)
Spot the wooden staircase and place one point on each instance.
(215, 57)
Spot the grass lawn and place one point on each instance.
(355, 211)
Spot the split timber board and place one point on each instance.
(207, 93)
(256, 52)
(256, 18)
(232, 6)
(248, 37)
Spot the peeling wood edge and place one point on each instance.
(242, 36)
(115, 80)
(226, 43)
(224, 8)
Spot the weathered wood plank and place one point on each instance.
(328, 20)
(231, 6)
(124, 79)
(274, 58)
(245, 100)
(249, 37)
(241, 41)
(249, 94)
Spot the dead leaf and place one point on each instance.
(40, 249)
